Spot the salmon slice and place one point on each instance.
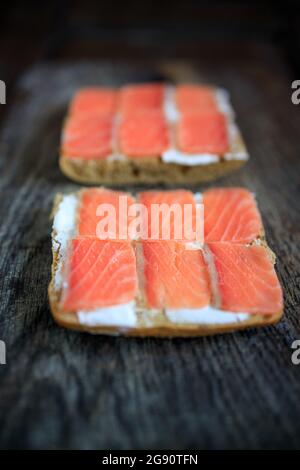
(103, 202)
(246, 278)
(174, 277)
(143, 136)
(87, 136)
(99, 274)
(170, 215)
(231, 214)
(94, 100)
(202, 133)
(195, 98)
(136, 98)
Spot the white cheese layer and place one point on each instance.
(117, 315)
(205, 316)
(175, 156)
(234, 138)
(64, 226)
(125, 316)
(223, 101)
(64, 219)
(171, 112)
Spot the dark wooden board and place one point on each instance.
(62, 389)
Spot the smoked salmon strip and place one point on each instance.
(88, 136)
(195, 98)
(98, 274)
(231, 214)
(137, 98)
(174, 277)
(94, 100)
(176, 218)
(143, 135)
(202, 133)
(246, 278)
(93, 214)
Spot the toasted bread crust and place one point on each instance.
(143, 171)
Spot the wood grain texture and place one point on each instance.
(62, 389)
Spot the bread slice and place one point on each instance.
(117, 169)
(148, 322)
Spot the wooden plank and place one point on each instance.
(61, 389)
